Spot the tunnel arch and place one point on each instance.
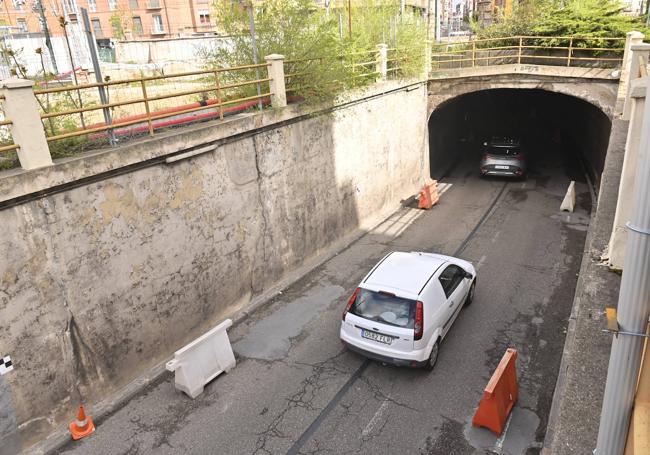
(601, 93)
(459, 125)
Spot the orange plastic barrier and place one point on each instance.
(499, 396)
(83, 426)
(428, 195)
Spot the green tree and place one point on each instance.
(584, 18)
(318, 61)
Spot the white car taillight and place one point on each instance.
(418, 327)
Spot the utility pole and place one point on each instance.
(40, 9)
(350, 17)
(633, 310)
(251, 24)
(429, 20)
(437, 20)
(64, 25)
(92, 45)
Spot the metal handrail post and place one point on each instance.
(146, 107)
(521, 41)
(570, 52)
(473, 54)
(219, 94)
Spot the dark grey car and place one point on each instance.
(503, 157)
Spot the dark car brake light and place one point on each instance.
(351, 301)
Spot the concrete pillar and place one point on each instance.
(631, 39)
(618, 239)
(276, 74)
(382, 61)
(638, 52)
(26, 128)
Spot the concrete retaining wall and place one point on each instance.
(106, 278)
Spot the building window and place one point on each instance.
(112, 5)
(70, 6)
(92, 6)
(133, 4)
(18, 4)
(97, 28)
(137, 26)
(158, 24)
(153, 4)
(204, 17)
(22, 25)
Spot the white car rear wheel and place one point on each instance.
(433, 358)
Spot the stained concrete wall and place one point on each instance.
(103, 279)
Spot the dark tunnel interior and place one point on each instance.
(539, 119)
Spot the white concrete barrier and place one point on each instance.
(203, 360)
(569, 202)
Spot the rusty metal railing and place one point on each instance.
(570, 51)
(363, 65)
(151, 94)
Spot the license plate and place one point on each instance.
(376, 336)
(501, 167)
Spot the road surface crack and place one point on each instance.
(303, 398)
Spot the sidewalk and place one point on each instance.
(575, 413)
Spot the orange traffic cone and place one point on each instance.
(83, 426)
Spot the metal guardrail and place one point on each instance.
(570, 51)
(209, 81)
(83, 102)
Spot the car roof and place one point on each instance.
(405, 272)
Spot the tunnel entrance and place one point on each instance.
(572, 131)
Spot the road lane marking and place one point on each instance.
(443, 188)
(496, 236)
(366, 431)
(498, 446)
(480, 262)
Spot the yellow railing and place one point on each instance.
(146, 99)
(364, 65)
(571, 51)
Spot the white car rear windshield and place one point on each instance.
(385, 308)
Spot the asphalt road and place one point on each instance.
(296, 390)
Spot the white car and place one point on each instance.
(405, 306)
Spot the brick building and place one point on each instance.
(114, 19)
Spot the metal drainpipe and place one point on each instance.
(633, 311)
